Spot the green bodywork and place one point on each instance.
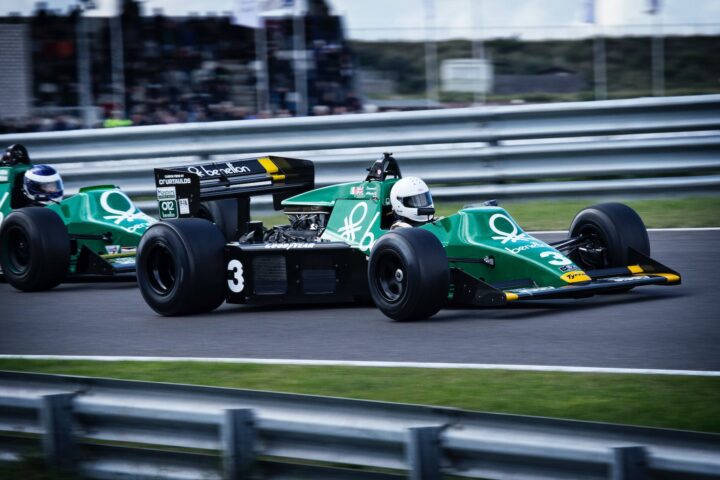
(361, 214)
(94, 211)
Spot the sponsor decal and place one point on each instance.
(168, 209)
(358, 191)
(569, 268)
(131, 214)
(112, 249)
(4, 174)
(177, 179)
(166, 193)
(289, 246)
(230, 169)
(522, 248)
(236, 282)
(352, 224)
(184, 206)
(575, 277)
(505, 235)
(372, 189)
(136, 219)
(558, 258)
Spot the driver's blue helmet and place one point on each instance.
(43, 184)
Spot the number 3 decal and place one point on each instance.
(236, 283)
(558, 258)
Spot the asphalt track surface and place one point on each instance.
(650, 327)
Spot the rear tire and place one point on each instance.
(408, 274)
(614, 228)
(34, 249)
(224, 214)
(180, 267)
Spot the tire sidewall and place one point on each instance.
(196, 247)
(620, 228)
(425, 266)
(49, 248)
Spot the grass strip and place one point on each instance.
(681, 402)
(557, 214)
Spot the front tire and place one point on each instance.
(34, 249)
(180, 267)
(613, 229)
(408, 274)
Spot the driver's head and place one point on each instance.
(43, 184)
(411, 199)
(15, 154)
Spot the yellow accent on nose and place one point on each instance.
(575, 276)
(635, 269)
(671, 277)
(511, 296)
(268, 165)
(278, 177)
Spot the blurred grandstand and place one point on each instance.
(67, 70)
(176, 69)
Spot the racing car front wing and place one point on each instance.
(470, 291)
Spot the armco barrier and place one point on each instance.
(661, 139)
(102, 428)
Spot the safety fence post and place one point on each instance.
(58, 441)
(422, 452)
(629, 463)
(237, 435)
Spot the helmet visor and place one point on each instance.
(52, 189)
(419, 200)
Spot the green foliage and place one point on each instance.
(557, 214)
(687, 65)
(691, 403)
(656, 212)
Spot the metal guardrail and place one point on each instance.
(101, 428)
(572, 141)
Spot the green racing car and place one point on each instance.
(44, 237)
(368, 240)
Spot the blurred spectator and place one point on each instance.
(181, 69)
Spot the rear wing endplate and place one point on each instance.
(181, 189)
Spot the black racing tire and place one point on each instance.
(180, 267)
(34, 249)
(224, 214)
(614, 227)
(420, 288)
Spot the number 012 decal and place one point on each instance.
(558, 258)
(237, 282)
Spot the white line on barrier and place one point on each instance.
(363, 363)
(678, 229)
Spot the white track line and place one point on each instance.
(698, 229)
(360, 363)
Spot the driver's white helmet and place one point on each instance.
(410, 198)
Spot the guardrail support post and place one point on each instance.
(423, 453)
(58, 441)
(629, 463)
(237, 435)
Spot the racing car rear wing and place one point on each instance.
(181, 189)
